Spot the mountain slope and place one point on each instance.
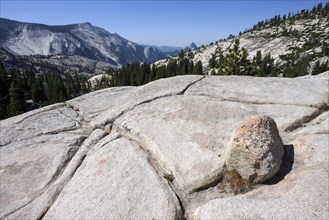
(63, 64)
(76, 39)
(301, 39)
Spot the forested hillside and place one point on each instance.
(285, 45)
(23, 91)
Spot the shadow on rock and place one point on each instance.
(286, 166)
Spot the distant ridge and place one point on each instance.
(21, 38)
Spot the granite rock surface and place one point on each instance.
(158, 151)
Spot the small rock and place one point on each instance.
(255, 150)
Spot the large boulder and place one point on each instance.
(255, 150)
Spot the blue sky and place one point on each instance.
(155, 22)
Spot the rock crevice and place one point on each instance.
(46, 196)
(182, 92)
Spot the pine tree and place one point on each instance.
(267, 66)
(16, 101)
(38, 95)
(4, 81)
(151, 77)
(145, 72)
(231, 65)
(3, 93)
(198, 68)
(326, 9)
(245, 65)
(3, 108)
(236, 61)
(191, 67)
(319, 7)
(181, 54)
(132, 79)
(212, 61)
(320, 68)
(172, 68)
(4, 98)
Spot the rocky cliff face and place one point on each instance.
(83, 40)
(158, 151)
(56, 63)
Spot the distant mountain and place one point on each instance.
(75, 39)
(63, 64)
(169, 49)
(165, 48)
(190, 47)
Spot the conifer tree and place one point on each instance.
(38, 95)
(236, 61)
(245, 65)
(212, 61)
(172, 68)
(231, 64)
(4, 98)
(191, 67)
(16, 101)
(151, 77)
(267, 66)
(146, 71)
(181, 54)
(198, 68)
(3, 108)
(319, 7)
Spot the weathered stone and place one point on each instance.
(53, 120)
(142, 94)
(255, 150)
(92, 104)
(182, 126)
(45, 197)
(102, 107)
(116, 182)
(36, 147)
(19, 118)
(29, 166)
(311, 150)
(320, 125)
(269, 90)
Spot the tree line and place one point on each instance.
(318, 10)
(21, 91)
(136, 74)
(236, 62)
